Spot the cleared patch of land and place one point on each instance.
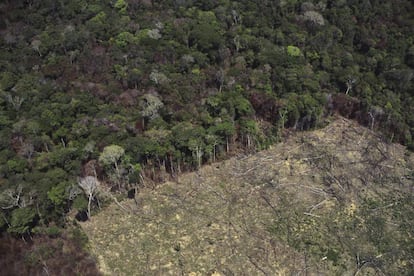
(307, 205)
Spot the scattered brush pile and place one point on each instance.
(331, 201)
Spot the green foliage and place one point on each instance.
(303, 111)
(78, 236)
(53, 231)
(134, 176)
(223, 129)
(293, 51)
(58, 194)
(3, 222)
(7, 80)
(80, 203)
(16, 165)
(124, 39)
(121, 6)
(97, 24)
(173, 82)
(206, 34)
(22, 220)
(111, 155)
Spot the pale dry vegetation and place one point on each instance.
(313, 204)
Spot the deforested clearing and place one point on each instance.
(334, 201)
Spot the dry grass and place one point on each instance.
(217, 220)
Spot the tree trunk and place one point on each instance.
(118, 175)
(199, 154)
(248, 141)
(227, 144)
(372, 120)
(171, 165)
(89, 206)
(214, 153)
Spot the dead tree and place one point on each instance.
(349, 84)
(90, 186)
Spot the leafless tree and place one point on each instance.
(74, 191)
(11, 198)
(90, 186)
(236, 17)
(15, 101)
(220, 77)
(27, 150)
(349, 84)
(36, 46)
(150, 104)
(158, 77)
(374, 113)
(314, 17)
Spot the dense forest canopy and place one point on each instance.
(107, 93)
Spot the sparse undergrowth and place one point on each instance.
(334, 201)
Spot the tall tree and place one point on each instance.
(89, 185)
